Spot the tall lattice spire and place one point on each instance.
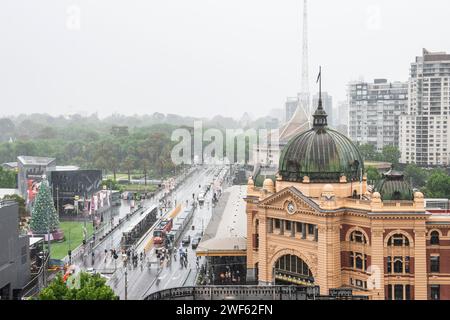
(304, 96)
(301, 120)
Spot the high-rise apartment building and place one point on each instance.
(424, 134)
(374, 111)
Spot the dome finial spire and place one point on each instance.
(319, 78)
(320, 116)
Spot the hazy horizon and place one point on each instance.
(201, 58)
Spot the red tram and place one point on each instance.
(161, 231)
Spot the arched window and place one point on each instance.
(358, 261)
(398, 240)
(434, 240)
(398, 265)
(358, 236)
(293, 266)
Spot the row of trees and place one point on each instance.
(388, 154)
(146, 150)
(434, 183)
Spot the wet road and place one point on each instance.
(143, 280)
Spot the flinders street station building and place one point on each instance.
(320, 223)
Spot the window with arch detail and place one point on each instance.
(398, 265)
(358, 261)
(434, 239)
(358, 237)
(398, 240)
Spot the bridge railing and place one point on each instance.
(237, 292)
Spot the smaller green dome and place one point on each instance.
(393, 187)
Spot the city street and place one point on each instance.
(143, 279)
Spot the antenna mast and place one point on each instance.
(304, 92)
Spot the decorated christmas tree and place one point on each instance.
(44, 213)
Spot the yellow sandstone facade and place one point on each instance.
(329, 228)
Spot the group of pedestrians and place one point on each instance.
(183, 253)
(162, 255)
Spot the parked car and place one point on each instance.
(186, 240)
(195, 243)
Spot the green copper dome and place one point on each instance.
(322, 154)
(393, 187)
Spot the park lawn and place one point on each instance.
(74, 231)
(139, 187)
(119, 176)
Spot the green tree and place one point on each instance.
(89, 287)
(129, 164)
(373, 174)
(368, 151)
(94, 287)
(438, 185)
(43, 214)
(112, 184)
(113, 153)
(416, 175)
(47, 133)
(56, 290)
(7, 179)
(391, 154)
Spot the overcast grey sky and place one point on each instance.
(201, 57)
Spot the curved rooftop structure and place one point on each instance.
(322, 154)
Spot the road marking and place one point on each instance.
(149, 245)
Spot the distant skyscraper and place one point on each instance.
(290, 106)
(374, 111)
(327, 103)
(424, 134)
(340, 113)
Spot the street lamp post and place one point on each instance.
(57, 199)
(125, 261)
